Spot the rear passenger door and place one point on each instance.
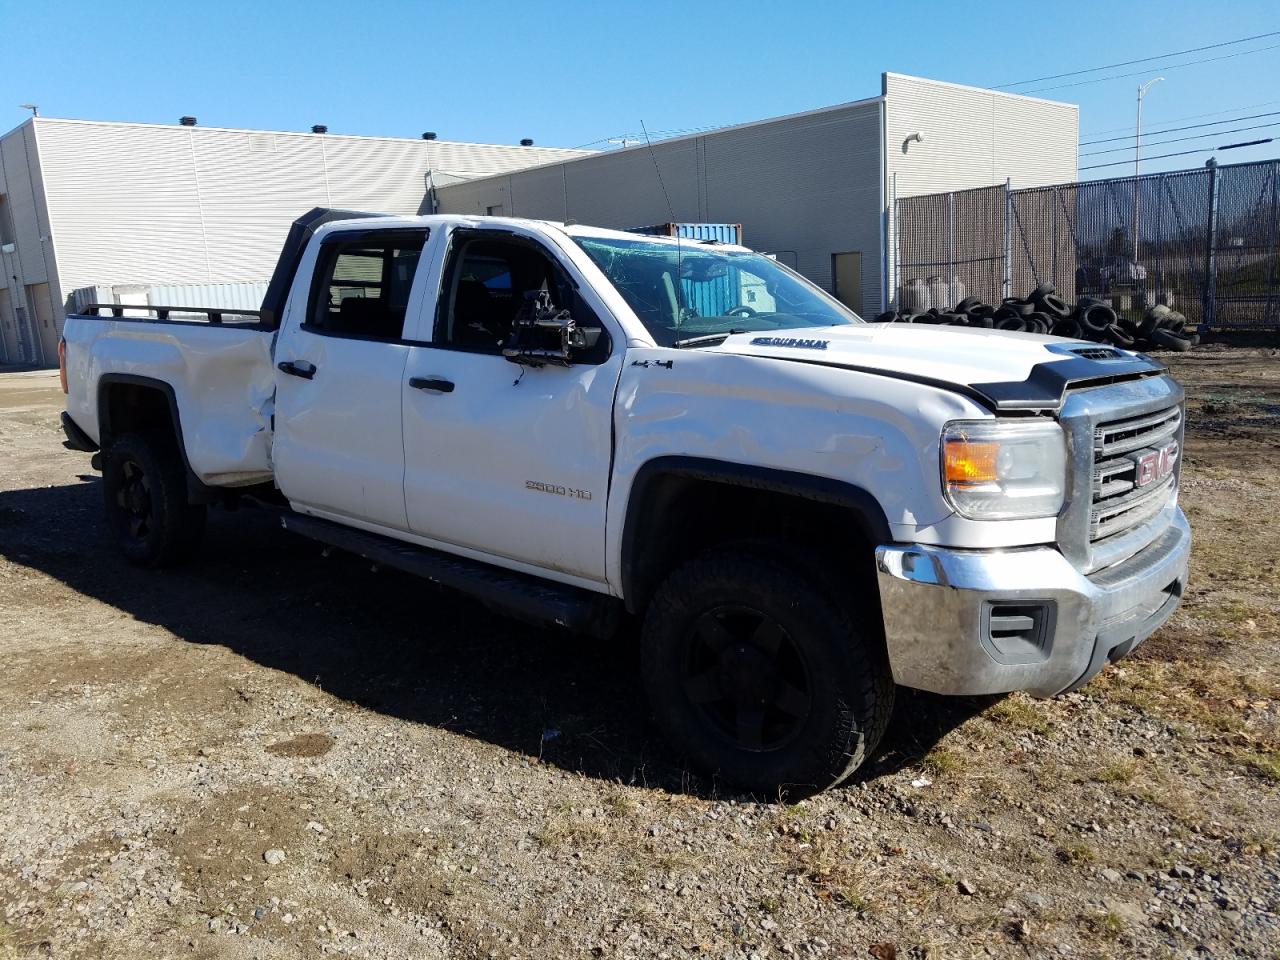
(338, 447)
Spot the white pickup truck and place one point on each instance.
(580, 426)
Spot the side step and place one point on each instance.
(517, 595)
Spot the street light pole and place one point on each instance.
(1137, 155)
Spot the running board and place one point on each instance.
(517, 595)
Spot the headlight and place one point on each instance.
(1004, 470)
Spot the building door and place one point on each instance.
(8, 330)
(42, 315)
(846, 273)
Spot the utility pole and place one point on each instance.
(1137, 155)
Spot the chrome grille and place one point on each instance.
(1119, 503)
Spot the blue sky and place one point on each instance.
(571, 74)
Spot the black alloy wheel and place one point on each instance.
(748, 677)
(133, 497)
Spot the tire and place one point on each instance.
(1039, 323)
(781, 640)
(1021, 307)
(887, 317)
(1120, 337)
(1012, 324)
(1170, 340)
(1042, 291)
(967, 304)
(1066, 327)
(144, 485)
(1053, 305)
(1095, 319)
(1151, 319)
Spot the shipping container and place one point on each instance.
(714, 232)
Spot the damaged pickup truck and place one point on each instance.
(579, 426)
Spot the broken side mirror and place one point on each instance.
(543, 333)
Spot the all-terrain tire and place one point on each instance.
(144, 487)
(707, 702)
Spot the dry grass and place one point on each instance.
(1105, 926)
(1076, 852)
(1022, 713)
(940, 760)
(1120, 772)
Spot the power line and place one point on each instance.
(1190, 116)
(1129, 63)
(1161, 68)
(1198, 136)
(1193, 126)
(1182, 153)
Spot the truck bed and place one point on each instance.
(213, 364)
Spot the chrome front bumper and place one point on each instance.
(937, 605)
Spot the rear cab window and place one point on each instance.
(362, 284)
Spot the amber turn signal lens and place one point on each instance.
(965, 462)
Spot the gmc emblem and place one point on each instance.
(1155, 465)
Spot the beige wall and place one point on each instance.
(972, 137)
(26, 226)
(804, 187)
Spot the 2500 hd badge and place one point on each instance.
(557, 489)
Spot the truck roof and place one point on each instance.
(468, 220)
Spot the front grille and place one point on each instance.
(1129, 457)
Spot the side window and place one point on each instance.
(487, 282)
(362, 285)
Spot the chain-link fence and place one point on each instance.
(1206, 242)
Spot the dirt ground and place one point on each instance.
(273, 753)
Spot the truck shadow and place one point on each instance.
(395, 644)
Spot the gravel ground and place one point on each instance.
(273, 753)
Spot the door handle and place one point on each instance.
(296, 368)
(431, 383)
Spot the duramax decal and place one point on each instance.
(557, 489)
(790, 342)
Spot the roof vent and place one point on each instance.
(526, 142)
(319, 128)
(187, 121)
(429, 135)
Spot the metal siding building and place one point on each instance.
(174, 209)
(813, 188)
(92, 204)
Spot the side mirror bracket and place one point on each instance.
(543, 333)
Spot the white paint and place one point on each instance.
(467, 471)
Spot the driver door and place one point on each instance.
(506, 462)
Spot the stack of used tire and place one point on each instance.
(1043, 311)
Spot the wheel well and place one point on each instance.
(128, 404)
(677, 514)
(134, 408)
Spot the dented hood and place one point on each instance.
(1005, 371)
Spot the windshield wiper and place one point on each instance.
(707, 339)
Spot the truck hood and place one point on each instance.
(1005, 371)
